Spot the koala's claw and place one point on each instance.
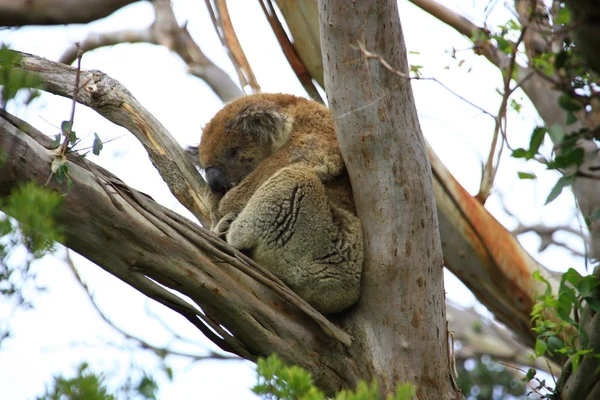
(224, 223)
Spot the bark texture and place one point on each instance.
(238, 305)
(400, 321)
(476, 247)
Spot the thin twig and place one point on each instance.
(76, 89)
(491, 167)
(367, 54)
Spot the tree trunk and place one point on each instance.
(400, 322)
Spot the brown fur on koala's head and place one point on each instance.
(242, 135)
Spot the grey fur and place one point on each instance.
(293, 229)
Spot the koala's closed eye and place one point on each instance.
(231, 153)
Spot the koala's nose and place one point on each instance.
(216, 180)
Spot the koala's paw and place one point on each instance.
(222, 227)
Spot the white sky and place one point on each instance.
(63, 329)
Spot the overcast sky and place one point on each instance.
(63, 329)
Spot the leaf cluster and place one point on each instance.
(88, 385)
(14, 79)
(554, 316)
(277, 381)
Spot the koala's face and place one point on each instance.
(239, 138)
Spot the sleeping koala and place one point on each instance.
(285, 196)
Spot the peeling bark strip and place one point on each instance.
(137, 240)
(400, 318)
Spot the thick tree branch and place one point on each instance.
(249, 311)
(166, 31)
(111, 100)
(56, 12)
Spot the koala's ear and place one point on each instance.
(193, 155)
(266, 122)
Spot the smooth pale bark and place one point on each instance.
(400, 319)
(56, 12)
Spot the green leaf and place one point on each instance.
(405, 391)
(72, 138)
(56, 142)
(566, 103)
(563, 17)
(503, 45)
(569, 157)
(530, 374)
(98, 145)
(561, 59)
(516, 106)
(147, 388)
(572, 276)
(593, 303)
(558, 188)
(586, 285)
(57, 163)
(66, 127)
(537, 137)
(540, 347)
(571, 118)
(556, 133)
(555, 343)
(519, 153)
(526, 175)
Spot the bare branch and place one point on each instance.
(96, 40)
(170, 34)
(166, 31)
(111, 100)
(546, 234)
(224, 28)
(491, 167)
(56, 12)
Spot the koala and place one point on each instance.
(284, 196)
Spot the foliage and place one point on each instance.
(87, 385)
(13, 79)
(276, 381)
(555, 315)
(35, 209)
